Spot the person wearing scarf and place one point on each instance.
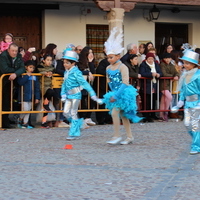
(151, 70)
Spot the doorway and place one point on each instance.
(170, 33)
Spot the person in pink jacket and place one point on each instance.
(8, 39)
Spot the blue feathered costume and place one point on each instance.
(125, 95)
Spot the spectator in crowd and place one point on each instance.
(10, 62)
(29, 86)
(148, 46)
(27, 55)
(51, 49)
(141, 55)
(169, 48)
(47, 69)
(87, 67)
(102, 117)
(197, 50)
(8, 39)
(168, 70)
(154, 51)
(132, 64)
(78, 49)
(60, 69)
(179, 68)
(149, 69)
(131, 49)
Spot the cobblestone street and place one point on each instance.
(157, 166)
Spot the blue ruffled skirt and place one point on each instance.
(126, 103)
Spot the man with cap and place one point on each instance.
(189, 87)
(71, 92)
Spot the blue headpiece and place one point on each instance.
(70, 55)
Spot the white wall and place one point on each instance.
(68, 25)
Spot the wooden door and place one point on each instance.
(26, 29)
(168, 33)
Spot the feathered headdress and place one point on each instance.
(113, 44)
(187, 46)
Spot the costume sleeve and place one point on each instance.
(63, 88)
(82, 82)
(108, 80)
(125, 74)
(120, 90)
(182, 94)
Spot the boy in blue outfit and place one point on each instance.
(189, 87)
(72, 85)
(29, 86)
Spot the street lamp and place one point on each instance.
(154, 13)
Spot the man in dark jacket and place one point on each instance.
(10, 62)
(131, 49)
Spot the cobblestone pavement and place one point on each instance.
(157, 166)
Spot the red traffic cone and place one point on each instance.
(68, 146)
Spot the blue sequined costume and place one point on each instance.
(126, 101)
(190, 93)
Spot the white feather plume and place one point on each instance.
(113, 44)
(187, 46)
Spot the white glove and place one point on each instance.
(63, 98)
(95, 98)
(176, 108)
(180, 104)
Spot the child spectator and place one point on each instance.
(47, 69)
(168, 70)
(71, 92)
(132, 64)
(189, 97)
(29, 86)
(121, 101)
(8, 39)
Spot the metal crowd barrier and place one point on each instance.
(57, 82)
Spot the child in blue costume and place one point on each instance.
(121, 101)
(189, 86)
(71, 92)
